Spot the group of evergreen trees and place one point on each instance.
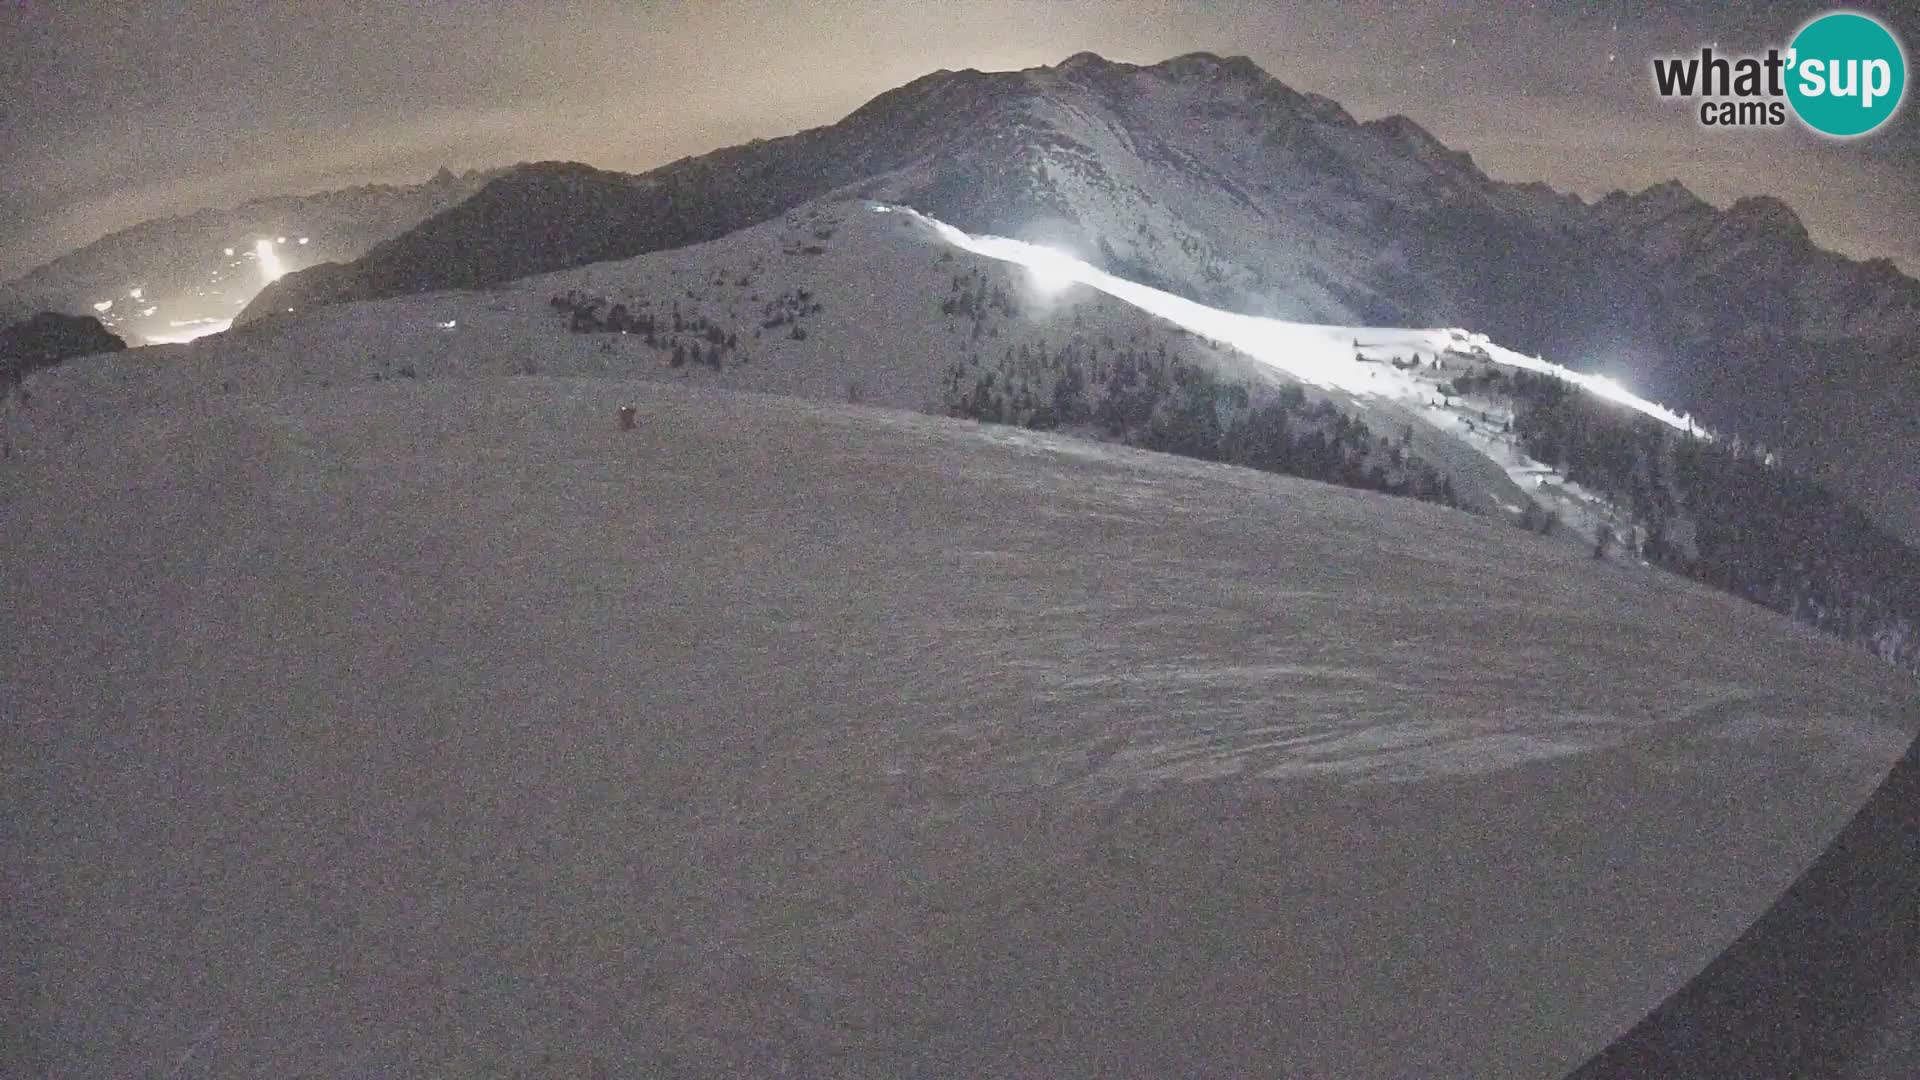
(788, 309)
(974, 297)
(1777, 538)
(1162, 402)
(1597, 444)
(695, 340)
(1724, 513)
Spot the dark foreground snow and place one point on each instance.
(444, 729)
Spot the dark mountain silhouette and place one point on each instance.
(48, 338)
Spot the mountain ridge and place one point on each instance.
(1208, 177)
(857, 300)
(966, 94)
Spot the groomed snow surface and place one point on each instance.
(439, 727)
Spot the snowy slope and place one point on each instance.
(878, 277)
(879, 273)
(439, 727)
(878, 282)
(1386, 375)
(843, 301)
(1206, 176)
(856, 301)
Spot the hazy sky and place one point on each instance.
(114, 112)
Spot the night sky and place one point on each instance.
(115, 112)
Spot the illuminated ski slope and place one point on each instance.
(1321, 355)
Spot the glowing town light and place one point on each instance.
(269, 262)
(103, 305)
(448, 325)
(279, 239)
(229, 252)
(187, 330)
(134, 292)
(303, 240)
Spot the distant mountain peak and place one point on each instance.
(1658, 202)
(1193, 65)
(1404, 130)
(1206, 69)
(1671, 194)
(1212, 65)
(1768, 215)
(1548, 192)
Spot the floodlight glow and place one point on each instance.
(1320, 355)
(188, 330)
(1051, 271)
(1607, 387)
(270, 264)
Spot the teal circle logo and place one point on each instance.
(1847, 74)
